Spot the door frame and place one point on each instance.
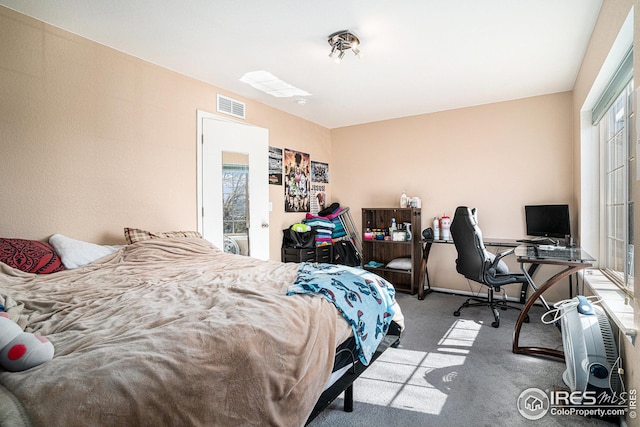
(201, 116)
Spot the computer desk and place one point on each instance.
(488, 242)
(572, 259)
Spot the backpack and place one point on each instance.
(298, 240)
(345, 253)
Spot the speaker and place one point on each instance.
(427, 233)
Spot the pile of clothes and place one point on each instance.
(327, 225)
(325, 228)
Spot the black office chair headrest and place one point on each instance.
(467, 239)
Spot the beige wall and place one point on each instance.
(93, 140)
(495, 157)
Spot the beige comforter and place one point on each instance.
(172, 332)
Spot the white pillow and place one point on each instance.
(76, 253)
(400, 264)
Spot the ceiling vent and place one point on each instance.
(231, 106)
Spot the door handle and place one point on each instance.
(265, 225)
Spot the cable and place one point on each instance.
(620, 370)
(617, 371)
(353, 358)
(475, 294)
(561, 307)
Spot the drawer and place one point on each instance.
(298, 255)
(323, 254)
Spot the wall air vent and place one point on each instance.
(231, 106)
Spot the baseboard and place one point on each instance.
(479, 295)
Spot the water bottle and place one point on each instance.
(404, 200)
(436, 228)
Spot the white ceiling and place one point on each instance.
(418, 56)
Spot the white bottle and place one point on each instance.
(445, 224)
(436, 228)
(404, 200)
(393, 225)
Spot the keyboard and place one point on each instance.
(540, 241)
(558, 252)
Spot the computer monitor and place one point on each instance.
(547, 220)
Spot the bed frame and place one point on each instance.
(345, 383)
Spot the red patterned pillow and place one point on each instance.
(30, 256)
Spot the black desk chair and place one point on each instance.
(476, 263)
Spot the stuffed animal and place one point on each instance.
(21, 350)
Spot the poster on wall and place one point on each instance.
(275, 166)
(318, 198)
(320, 172)
(319, 176)
(297, 181)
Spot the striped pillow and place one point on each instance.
(133, 235)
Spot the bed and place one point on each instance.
(173, 331)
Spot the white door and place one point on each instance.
(221, 138)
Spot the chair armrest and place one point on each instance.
(501, 255)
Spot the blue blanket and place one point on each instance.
(364, 299)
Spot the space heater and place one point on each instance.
(589, 347)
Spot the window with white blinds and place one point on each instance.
(614, 115)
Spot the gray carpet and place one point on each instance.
(455, 371)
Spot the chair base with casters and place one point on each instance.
(489, 302)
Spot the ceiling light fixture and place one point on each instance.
(340, 42)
